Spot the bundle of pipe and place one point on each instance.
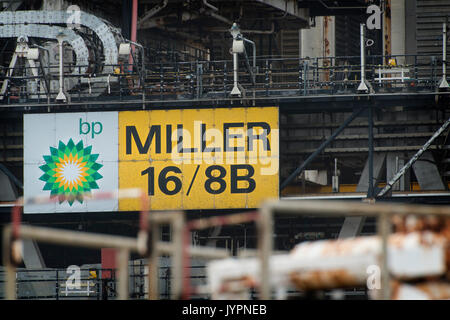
(418, 251)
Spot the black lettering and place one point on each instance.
(219, 179)
(235, 178)
(150, 180)
(263, 137)
(180, 141)
(204, 147)
(169, 138)
(131, 132)
(227, 136)
(163, 180)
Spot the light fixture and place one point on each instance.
(238, 46)
(61, 95)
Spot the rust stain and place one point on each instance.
(435, 290)
(321, 279)
(237, 284)
(326, 46)
(387, 30)
(395, 287)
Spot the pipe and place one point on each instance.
(370, 146)
(444, 50)
(216, 16)
(254, 50)
(134, 16)
(122, 266)
(77, 238)
(61, 96)
(443, 82)
(205, 2)
(6, 171)
(271, 31)
(151, 13)
(178, 266)
(235, 90)
(362, 86)
(265, 247)
(338, 8)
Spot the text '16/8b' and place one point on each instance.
(214, 184)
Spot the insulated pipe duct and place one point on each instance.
(100, 28)
(48, 32)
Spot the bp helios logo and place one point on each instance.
(70, 171)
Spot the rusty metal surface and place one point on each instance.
(387, 30)
(319, 279)
(328, 264)
(432, 290)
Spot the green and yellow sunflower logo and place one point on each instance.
(70, 171)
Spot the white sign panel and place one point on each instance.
(68, 156)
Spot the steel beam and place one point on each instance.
(321, 148)
(413, 159)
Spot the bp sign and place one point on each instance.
(69, 156)
(182, 159)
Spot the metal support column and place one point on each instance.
(443, 83)
(265, 247)
(383, 231)
(363, 85)
(122, 264)
(10, 279)
(370, 119)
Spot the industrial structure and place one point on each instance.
(206, 110)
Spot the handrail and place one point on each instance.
(162, 81)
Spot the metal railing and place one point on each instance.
(94, 284)
(274, 77)
(383, 212)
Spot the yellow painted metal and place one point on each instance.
(199, 177)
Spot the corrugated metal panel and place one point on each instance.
(430, 14)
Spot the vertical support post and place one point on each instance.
(443, 83)
(122, 264)
(61, 95)
(134, 16)
(225, 79)
(305, 77)
(235, 90)
(267, 78)
(370, 120)
(153, 265)
(363, 86)
(57, 285)
(177, 256)
(383, 231)
(10, 280)
(300, 76)
(386, 30)
(191, 80)
(265, 245)
(161, 80)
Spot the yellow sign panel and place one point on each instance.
(199, 158)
